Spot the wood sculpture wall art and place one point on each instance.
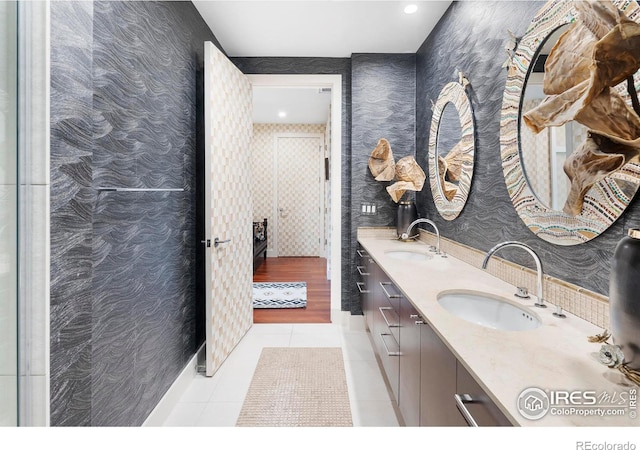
(407, 172)
(589, 102)
(600, 50)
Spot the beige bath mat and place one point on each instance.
(297, 387)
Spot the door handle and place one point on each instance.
(217, 242)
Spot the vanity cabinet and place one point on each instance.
(386, 326)
(363, 283)
(438, 368)
(410, 370)
(430, 387)
(474, 405)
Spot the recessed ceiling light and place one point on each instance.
(410, 9)
(282, 114)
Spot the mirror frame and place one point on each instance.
(600, 209)
(454, 93)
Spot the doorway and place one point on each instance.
(332, 86)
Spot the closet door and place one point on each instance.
(300, 194)
(228, 207)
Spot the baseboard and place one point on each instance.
(170, 399)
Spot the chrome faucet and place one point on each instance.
(540, 302)
(406, 234)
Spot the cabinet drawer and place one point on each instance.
(389, 353)
(474, 404)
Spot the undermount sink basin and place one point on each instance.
(408, 255)
(488, 310)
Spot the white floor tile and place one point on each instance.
(271, 328)
(185, 414)
(374, 414)
(365, 381)
(217, 401)
(357, 347)
(200, 389)
(315, 340)
(232, 386)
(220, 414)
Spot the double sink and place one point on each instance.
(478, 307)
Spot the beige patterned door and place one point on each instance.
(228, 210)
(300, 195)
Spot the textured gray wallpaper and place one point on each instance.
(125, 113)
(383, 106)
(470, 38)
(71, 204)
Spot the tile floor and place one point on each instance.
(216, 401)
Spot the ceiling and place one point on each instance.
(329, 28)
(319, 28)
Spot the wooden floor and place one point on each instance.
(311, 270)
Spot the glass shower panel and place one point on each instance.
(8, 215)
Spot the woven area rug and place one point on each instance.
(297, 387)
(280, 295)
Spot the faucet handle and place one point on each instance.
(522, 292)
(540, 303)
(559, 312)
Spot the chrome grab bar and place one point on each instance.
(389, 353)
(387, 283)
(390, 325)
(360, 285)
(460, 403)
(361, 271)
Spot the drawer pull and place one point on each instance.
(460, 403)
(386, 283)
(362, 253)
(361, 271)
(360, 285)
(389, 353)
(389, 324)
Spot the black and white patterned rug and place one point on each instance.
(280, 295)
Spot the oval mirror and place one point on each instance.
(451, 150)
(555, 207)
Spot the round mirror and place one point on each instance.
(451, 150)
(543, 154)
(556, 207)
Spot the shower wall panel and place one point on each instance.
(71, 204)
(126, 86)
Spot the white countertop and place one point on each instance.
(554, 357)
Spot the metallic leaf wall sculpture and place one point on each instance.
(615, 176)
(407, 172)
(600, 50)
